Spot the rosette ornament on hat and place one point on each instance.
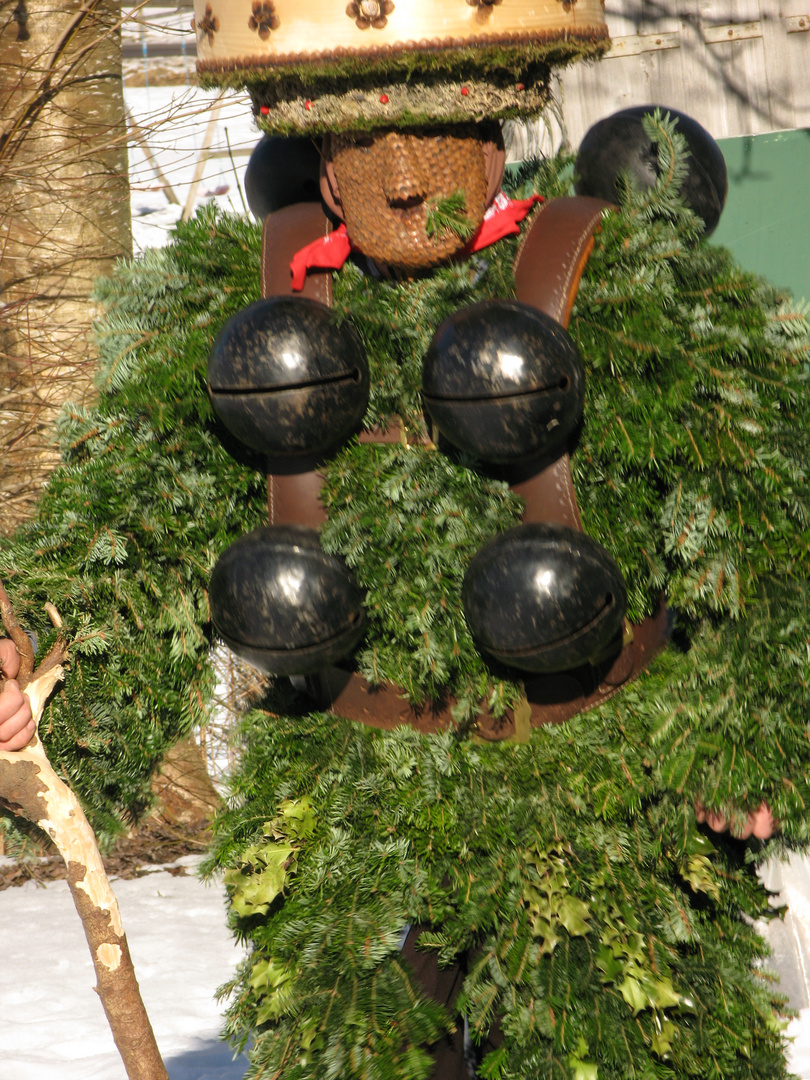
(326, 65)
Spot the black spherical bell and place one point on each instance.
(544, 598)
(503, 381)
(287, 378)
(278, 600)
(619, 145)
(281, 172)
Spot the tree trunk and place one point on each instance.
(64, 218)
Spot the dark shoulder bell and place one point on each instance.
(288, 378)
(279, 601)
(619, 145)
(503, 381)
(281, 172)
(544, 598)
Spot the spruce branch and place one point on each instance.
(449, 215)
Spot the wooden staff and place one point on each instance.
(29, 787)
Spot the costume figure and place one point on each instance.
(458, 893)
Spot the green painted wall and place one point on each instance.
(766, 221)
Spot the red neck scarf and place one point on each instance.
(331, 252)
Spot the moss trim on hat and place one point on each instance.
(495, 63)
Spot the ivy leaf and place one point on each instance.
(662, 1040)
(633, 993)
(574, 915)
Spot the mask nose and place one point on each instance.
(404, 183)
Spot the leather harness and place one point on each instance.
(551, 259)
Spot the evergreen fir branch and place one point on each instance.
(431, 518)
(449, 215)
(131, 523)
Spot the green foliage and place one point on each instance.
(266, 866)
(696, 412)
(489, 847)
(396, 325)
(130, 524)
(449, 215)
(408, 522)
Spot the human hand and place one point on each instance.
(16, 722)
(9, 659)
(760, 822)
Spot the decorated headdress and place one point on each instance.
(327, 65)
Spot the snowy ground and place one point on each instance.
(52, 1026)
(172, 172)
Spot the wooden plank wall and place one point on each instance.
(739, 67)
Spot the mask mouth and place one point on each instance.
(406, 206)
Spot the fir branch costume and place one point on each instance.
(592, 918)
(580, 920)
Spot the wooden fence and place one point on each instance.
(740, 67)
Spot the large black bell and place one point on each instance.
(618, 144)
(503, 381)
(544, 598)
(286, 377)
(278, 600)
(281, 172)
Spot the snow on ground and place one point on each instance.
(52, 1025)
(172, 172)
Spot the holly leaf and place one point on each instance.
(698, 871)
(633, 993)
(662, 1040)
(253, 893)
(582, 1070)
(574, 915)
(299, 817)
(609, 964)
(665, 995)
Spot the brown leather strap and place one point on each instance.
(548, 270)
(553, 254)
(293, 494)
(285, 232)
(295, 499)
(549, 495)
(555, 698)
(551, 698)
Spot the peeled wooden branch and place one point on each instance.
(30, 787)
